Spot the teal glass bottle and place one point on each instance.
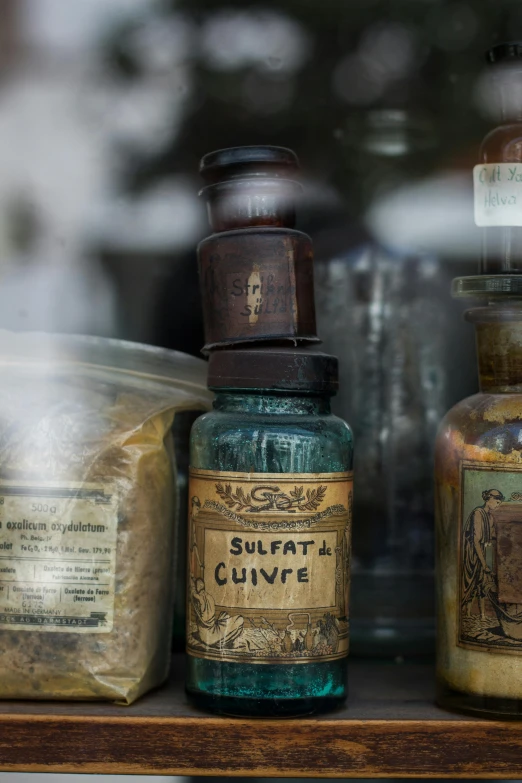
(273, 463)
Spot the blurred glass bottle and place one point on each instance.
(384, 312)
(499, 172)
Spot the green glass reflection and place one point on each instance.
(269, 433)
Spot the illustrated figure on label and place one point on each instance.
(478, 567)
(305, 638)
(343, 567)
(215, 630)
(195, 559)
(328, 631)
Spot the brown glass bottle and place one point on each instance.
(502, 243)
(256, 270)
(479, 530)
(478, 462)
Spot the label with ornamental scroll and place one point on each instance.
(269, 560)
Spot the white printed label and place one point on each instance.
(498, 194)
(57, 557)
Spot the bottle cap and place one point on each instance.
(274, 369)
(250, 186)
(246, 162)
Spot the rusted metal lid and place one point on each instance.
(275, 369)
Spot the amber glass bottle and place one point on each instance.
(479, 445)
(256, 270)
(479, 530)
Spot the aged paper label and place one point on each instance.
(498, 194)
(490, 556)
(269, 559)
(265, 296)
(57, 557)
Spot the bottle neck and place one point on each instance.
(271, 402)
(251, 203)
(499, 347)
(508, 86)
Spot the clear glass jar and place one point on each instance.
(257, 432)
(394, 391)
(397, 381)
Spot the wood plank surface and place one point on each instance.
(389, 728)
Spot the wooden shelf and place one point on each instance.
(389, 728)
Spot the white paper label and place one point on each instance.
(57, 557)
(498, 194)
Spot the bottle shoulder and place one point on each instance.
(484, 428)
(503, 144)
(342, 425)
(481, 409)
(225, 421)
(271, 443)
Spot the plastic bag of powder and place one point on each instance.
(87, 513)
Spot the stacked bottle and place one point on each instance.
(271, 467)
(479, 446)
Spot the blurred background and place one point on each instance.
(106, 107)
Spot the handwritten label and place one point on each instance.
(285, 568)
(498, 194)
(265, 297)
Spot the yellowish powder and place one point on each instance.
(94, 426)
